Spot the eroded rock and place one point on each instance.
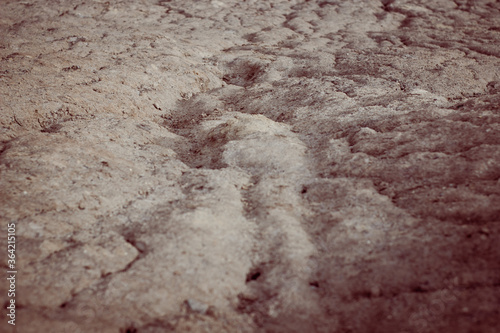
(228, 166)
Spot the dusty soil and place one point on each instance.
(251, 166)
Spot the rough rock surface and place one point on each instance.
(252, 166)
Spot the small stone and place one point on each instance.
(197, 306)
(485, 231)
(141, 246)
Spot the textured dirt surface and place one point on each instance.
(251, 166)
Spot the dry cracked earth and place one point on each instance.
(251, 166)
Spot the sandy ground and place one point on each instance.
(251, 166)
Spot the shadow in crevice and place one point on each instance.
(196, 149)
